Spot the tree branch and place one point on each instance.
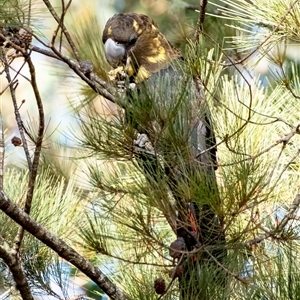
(60, 247)
(97, 84)
(19, 277)
(199, 29)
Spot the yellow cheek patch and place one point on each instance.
(109, 30)
(135, 25)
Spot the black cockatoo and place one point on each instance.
(139, 52)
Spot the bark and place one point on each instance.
(17, 272)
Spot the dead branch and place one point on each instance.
(278, 230)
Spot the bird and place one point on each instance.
(165, 112)
(134, 41)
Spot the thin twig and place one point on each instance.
(96, 83)
(40, 134)
(279, 229)
(64, 11)
(17, 113)
(44, 52)
(200, 22)
(286, 82)
(64, 29)
(37, 152)
(237, 277)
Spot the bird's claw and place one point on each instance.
(142, 141)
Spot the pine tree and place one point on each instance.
(87, 208)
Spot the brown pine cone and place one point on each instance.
(25, 35)
(16, 141)
(159, 286)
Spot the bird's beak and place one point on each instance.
(114, 52)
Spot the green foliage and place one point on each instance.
(57, 205)
(21, 13)
(256, 175)
(261, 25)
(107, 207)
(13, 12)
(87, 35)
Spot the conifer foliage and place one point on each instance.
(98, 200)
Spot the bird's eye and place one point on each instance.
(132, 39)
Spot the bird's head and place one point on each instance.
(134, 41)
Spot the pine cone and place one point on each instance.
(177, 247)
(25, 35)
(16, 141)
(160, 286)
